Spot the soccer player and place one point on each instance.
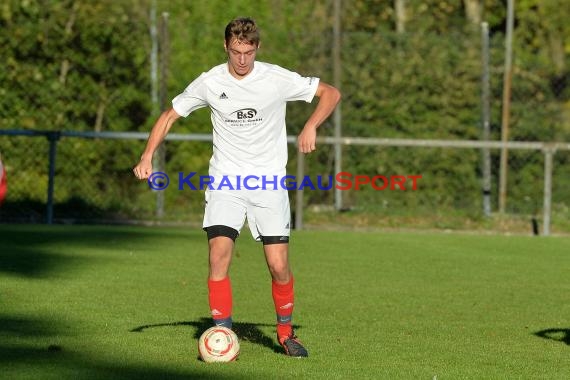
(247, 99)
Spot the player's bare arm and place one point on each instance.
(329, 97)
(159, 131)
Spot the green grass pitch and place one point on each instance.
(104, 302)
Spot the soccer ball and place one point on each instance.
(218, 344)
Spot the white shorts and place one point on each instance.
(267, 211)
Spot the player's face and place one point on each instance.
(241, 57)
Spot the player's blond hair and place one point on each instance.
(244, 30)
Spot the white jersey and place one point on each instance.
(248, 116)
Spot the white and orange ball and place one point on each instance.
(218, 344)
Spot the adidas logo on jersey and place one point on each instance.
(223, 96)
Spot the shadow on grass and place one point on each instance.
(25, 327)
(33, 262)
(48, 362)
(28, 250)
(75, 208)
(31, 348)
(559, 335)
(247, 332)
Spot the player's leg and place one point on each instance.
(219, 285)
(282, 290)
(223, 218)
(277, 258)
(269, 221)
(220, 249)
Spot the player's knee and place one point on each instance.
(219, 254)
(280, 271)
(219, 266)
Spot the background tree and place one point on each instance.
(410, 69)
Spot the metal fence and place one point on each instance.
(393, 85)
(71, 189)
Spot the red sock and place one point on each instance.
(220, 298)
(283, 296)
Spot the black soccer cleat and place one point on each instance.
(293, 347)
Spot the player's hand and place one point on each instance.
(143, 169)
(307, 140)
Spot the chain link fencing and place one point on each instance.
(410, 186)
